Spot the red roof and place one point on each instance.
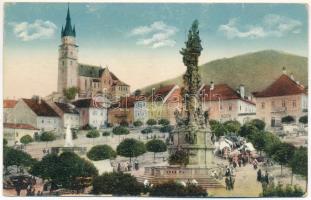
(19, 126)
(9, 103)
(40, 108)
(283, 86)
(128, 102)
(222, 92)
(161, 93)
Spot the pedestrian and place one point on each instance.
(136, 165)
(227, 172)
(267, 177)
(119, 167)
(232, 180)
(33, 192)
(227, 183)
(259, 175)
(240, 162)
(234, 164)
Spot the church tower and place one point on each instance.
(68, 57)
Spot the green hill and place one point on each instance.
(255, 70)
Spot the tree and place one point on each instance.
(155, 146)
(271, 140)
(260, 124)
(232, 126)
(131, 148)
(120, 130)
(247, 130)
(304, 119)
(166, 129)
(70, 93)
(280, 191)
(16, 157)
(47, 137)
(138, 123)
(259, 140)
(288, 119)
(163, 122)
(217, 128)
(106, 133)
(299, 162)
(146, 130)
(101, 152)
(93, 134)
(26, 139)
(137, 92)
(173, 189)
(179, 157)
(151, 122)
(283, 153)
(66, 169)
(117, 183)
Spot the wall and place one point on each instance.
(17, 134)
(24, 115)
(98, 117)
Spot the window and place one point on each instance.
(283, 103)
(263, 105)
(230, 106)
(294, 104)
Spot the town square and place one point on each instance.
(155, 100)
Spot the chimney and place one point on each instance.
(292, 76)
(242, 91)
(298, 83)
(212, 85)
(284, 70)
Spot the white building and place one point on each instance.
(69, 114)
(37, 113)
(93, 112)
(141, 109)
(14, 132)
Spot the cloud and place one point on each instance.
(39, 29)
(271, 25)
(91, 8)
(156, 35)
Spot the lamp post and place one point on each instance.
(210, 94)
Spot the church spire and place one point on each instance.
(68, 31)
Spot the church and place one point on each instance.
(90, 80)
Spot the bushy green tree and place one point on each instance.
(173, 189)
(299, 162)
(16, 157)
(138, 123)
(26, 139)
(163, 122)
(151, 122)
(65, 169)
(70, 93)
(131, 148)
(258, 139)
(47, 137)
(260, 124)
(166, 129)
(146, 130)
(101, 152)
(120, 130)
(155, 146)
(92, 134)
(271, 140)
(283, 153)
(288, 119)
(232, 126)
(247, 130)
(304, 119)
(217, 128)
(118, 184)
(179, 157)
(106, 133)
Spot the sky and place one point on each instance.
(139, 43)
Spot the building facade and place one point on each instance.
(37, 113)
(284, 97)
(14, 132)
(8, 107)
(224, 104)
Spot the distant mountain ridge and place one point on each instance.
(254, 70)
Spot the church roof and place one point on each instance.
(283, 86)
(69, 30)
(90, 70)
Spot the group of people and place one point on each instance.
(264, 179)
(127, 166)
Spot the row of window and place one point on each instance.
(293, 103)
